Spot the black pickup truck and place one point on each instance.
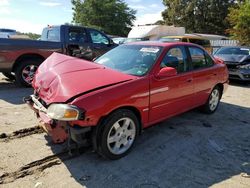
(19, 58)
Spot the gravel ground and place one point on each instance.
(190, 150)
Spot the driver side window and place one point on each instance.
(176, 58)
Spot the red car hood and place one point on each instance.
(62, 77)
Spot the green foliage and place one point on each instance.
(199, 16)
(159, 22)
(111, 16)
(239, 18)
(33, 36)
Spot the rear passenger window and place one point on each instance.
(200, 59)
(210, 61)
(54, 34)
(77, 35)
(176, 58)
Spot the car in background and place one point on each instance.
(237, 59)
(133, 86)
(20, 58)
(6, 33)
(205, 43)
(128, 40)
(119, 40)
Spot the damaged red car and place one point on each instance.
(109, 101)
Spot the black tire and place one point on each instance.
(22, 66)
(208, 108)
(103, 147)
(9, 75)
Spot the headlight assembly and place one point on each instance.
(64, 112)
(247, 66)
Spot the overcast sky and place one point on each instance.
(33, 15)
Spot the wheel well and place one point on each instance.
(131, 108)
(26, 57)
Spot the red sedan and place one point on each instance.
(131, 87)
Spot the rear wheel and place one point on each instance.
(213, 101)
(9, 75)
(118, 134)
(25, 72)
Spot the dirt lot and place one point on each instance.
(191, 150)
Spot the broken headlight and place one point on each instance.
(64, 112)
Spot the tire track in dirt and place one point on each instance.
(38, 166)
(21, 133)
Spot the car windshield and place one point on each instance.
(131, 59)
(233, 51)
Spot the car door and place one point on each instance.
(100, 43)
(172, 95)
(204, 73)
(79, 44)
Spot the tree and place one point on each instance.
(111, 16)
(239, 19)
(199, 16)
(159, 22)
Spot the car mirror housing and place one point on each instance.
(111, 42)
(167, 72)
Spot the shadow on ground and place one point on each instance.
(240, 83)
(13, 94)
(191, 150)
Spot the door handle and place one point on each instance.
(190, 80)
(215, 74)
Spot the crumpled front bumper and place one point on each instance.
(56, 129)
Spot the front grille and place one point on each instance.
(230, 66)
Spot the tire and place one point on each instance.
(118, 134)
(9, 75)
(26, 71)
(213, 101)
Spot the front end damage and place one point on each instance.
(59, 129)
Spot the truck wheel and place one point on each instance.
(118, 135)
(9, 75)
(213, 101)
(25, 72)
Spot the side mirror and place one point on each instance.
(167, 72)
(111, 42)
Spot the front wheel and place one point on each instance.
(213, 101)
(118, 134)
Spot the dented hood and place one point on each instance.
(62, 77)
